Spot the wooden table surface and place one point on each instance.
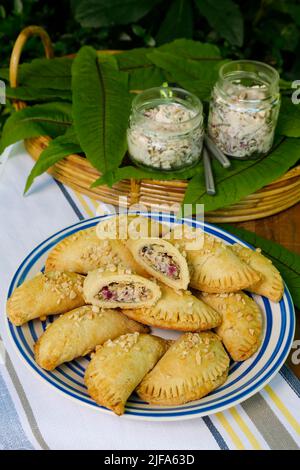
(283, 228)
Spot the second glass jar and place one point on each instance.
(244, 108)
(166, 129)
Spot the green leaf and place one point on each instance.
(50, 119)
(57, 149)
(99, 13)
(44, 73)
(243, 177)
(142, 72)
(101, 108)
(289, 119)
(28, 93)
(178, 22)
(225, 17)
(128, 172)
(195, 76)
(287, 262)
(190, 49)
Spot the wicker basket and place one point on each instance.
(76, 172)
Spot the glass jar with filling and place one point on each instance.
(244, 108)
(165, 129)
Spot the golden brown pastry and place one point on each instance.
(162, 260)
(216, 268)
(241, 328)
(81, 252)
(177, 310)
(78, 332)
(119, 366)
(271, 284)
(112, 290)
(192, 367)
(127, 261)
(45, 294)
(124, 226)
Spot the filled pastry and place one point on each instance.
(112, 290)
(46, 294)
(193, 366)
(78, 332)
(271, 284)
(241, 328)
(162, 260)
(177, 310)
(216, 268)
(81, 252)
(124, 226)
(119, 366)
(127, 261)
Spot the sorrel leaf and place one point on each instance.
(50, 119)
(58, 148)
(101, 107)
(243, 177)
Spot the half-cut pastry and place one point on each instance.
(162, 260)
(271, 284)
(112, 290)
(81, 252)
(216, 268)
(119, 366)
(177, 310)
(45, 294)
(241, 328)
(193, 366)
(78, 332)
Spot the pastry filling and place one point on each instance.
(124, 292)
(158, 259)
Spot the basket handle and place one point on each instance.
(18, 47)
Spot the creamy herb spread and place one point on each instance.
(166, 136)
(124, 292)
(242, 121)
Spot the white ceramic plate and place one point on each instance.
(245, 378)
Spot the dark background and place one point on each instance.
(266, 30)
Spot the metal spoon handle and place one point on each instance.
(216, 152)
(209, 177)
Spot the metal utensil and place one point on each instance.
(209, 177)
(216, 152)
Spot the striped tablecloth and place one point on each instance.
(33, 415)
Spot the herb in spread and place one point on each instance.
(160, 261)
(165, 134)
(126, 292)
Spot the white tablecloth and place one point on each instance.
(35, 415)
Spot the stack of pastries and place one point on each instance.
(108, 292)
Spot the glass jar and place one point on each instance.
(165, 129)
(244, 108)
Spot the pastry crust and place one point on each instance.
(127, 261)
(177, 310)
(241, 328)
(124, 226)
(193, 366)
(81, 252)
(119, 366)
(159, 258)
(113, 290)
(78, 332)
(45, 294)
(216, 268)
(271, 284)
